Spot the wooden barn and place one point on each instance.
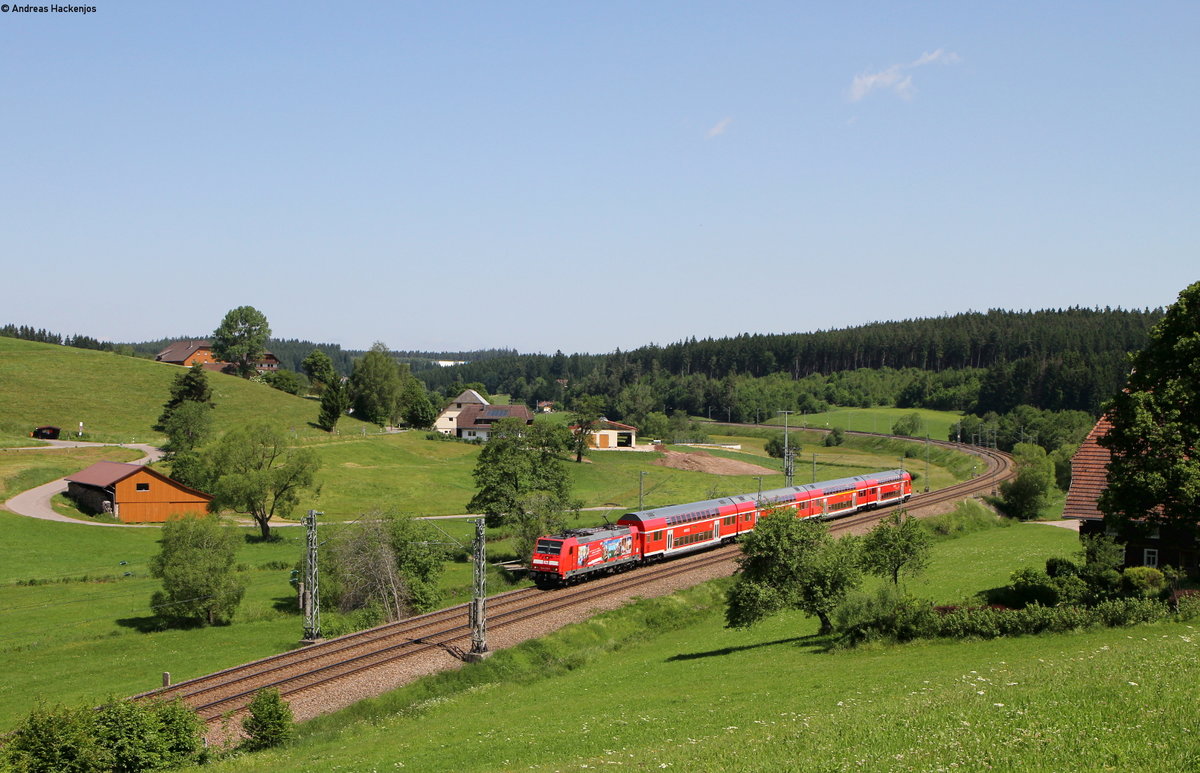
(134, 493)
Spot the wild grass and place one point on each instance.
(661, 684)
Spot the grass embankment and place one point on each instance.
(77, 629)
(666, 686)
(119, 398)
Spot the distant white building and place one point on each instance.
(447, 420)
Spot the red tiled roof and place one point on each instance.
(1089, 475)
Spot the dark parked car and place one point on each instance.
(45, 433)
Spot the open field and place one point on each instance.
(414, 475)
(662, 684)
(879, 419)
(119, 398)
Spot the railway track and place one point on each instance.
(318, 666)
(227, 692)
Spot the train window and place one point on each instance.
(553, 546)
(730, 520)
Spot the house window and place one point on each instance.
(1150, 557)
(470, 433)
(143, 487)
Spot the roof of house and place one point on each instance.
(485, 415)
(1089, 475)
(609, 424)
(179, 351)
(471, 396)
(106, 474)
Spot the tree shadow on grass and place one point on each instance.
(813, 642)
(156, 624)
(287, 604)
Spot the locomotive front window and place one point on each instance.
(552, 546)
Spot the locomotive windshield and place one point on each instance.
(553, 546)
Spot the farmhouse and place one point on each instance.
(1153, 546)
(134, 493)
(199, 352)
(447, 420)
(475, 421)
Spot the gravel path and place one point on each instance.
(35, 503)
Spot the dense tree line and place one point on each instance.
(1069, 359)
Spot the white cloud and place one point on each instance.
(719, 128)
(896, 78)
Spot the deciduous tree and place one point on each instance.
(585, 420)
(241, 339)
(319, 368)
(188, 427)
(196, 565)
(252, 470)
(1023, 496)
(517, 461)
(897, 545)
(376, 385)
(791, 563)
(1154, 474)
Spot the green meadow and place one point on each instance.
(661, 684)
(119, 398)
(936, 423)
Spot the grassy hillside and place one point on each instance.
(663, 685)
(119, 398)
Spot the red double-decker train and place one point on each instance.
(663, 532)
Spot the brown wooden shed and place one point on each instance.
(134, 493)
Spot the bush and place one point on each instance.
(131, 734)
(269, 722)
(1144, 581)
(835, 437)
(1061, 567)
(52, 740)
(969, 516)
(1186, 604)
(182, 733)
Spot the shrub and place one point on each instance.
(1060, 567)
(182, 733)
(269, 722)
(835, 437)
(54, 740)
(1186, 603)
(1144, 581)
(130, 733)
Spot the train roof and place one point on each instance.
(592, 533)
(675, 513)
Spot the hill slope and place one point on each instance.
(119, 398)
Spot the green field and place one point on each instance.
(936, 423)
(663, 685)
(120, 398)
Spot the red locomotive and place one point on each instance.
(652, 535)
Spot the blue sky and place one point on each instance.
(591, 176)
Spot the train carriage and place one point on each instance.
(663, 532)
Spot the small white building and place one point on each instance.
(447, 420)
(612, 434)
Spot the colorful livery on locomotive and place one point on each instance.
(652, 535)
